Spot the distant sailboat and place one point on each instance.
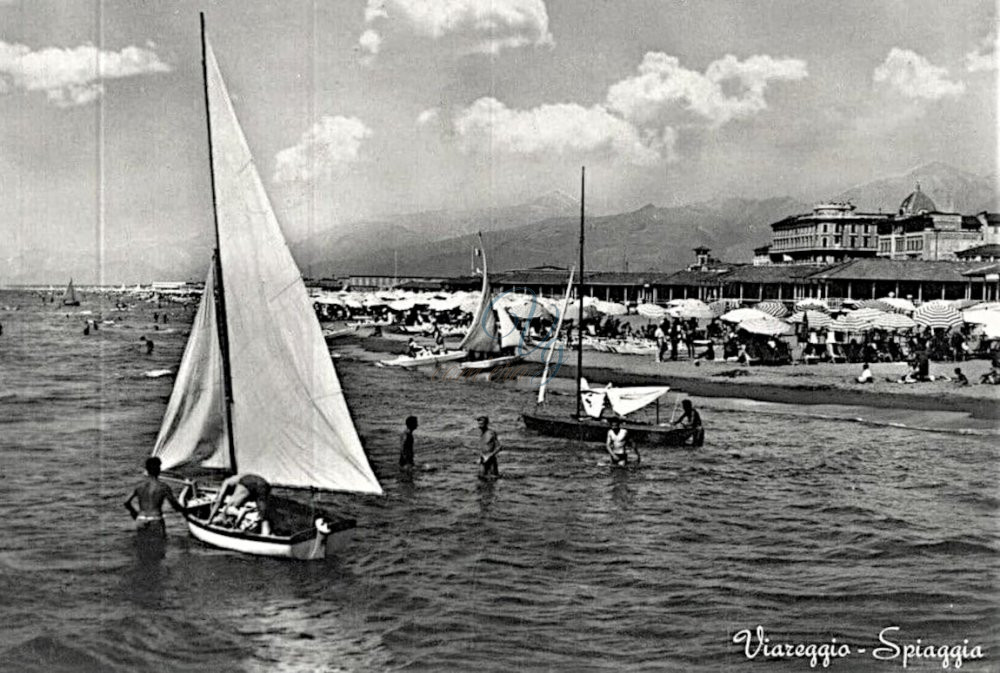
(69, 297)
(256, 391)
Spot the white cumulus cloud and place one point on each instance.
(428, 116)
(490, 126)
(329, 146)
(370, 41)
(728, 89)
(913, 76)
(984, 57)
(486, 26)
(71, 76)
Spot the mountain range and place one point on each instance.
(650, 238)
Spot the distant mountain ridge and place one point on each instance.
(951, 189)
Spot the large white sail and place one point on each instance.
(482, 332)
(291, 424)
(195, 418)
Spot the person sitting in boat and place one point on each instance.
(690, 422)
(151, 494)
(240, 489)
(618, 443)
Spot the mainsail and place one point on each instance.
(69, 296)
(290, 422)
(482, 331)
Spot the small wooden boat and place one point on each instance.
(256, 391)
(596, 430)
(408, 362)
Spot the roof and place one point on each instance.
(987, 250)
(880, 269)
(983, 270)
(694, 278)
(917, 202)
(762, 250)
(769, 274)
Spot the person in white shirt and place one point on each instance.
(866, 374)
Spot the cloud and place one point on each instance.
(326, 148)
(370, 41)
(71, 76)
(913, 76)
(663, 85)
(428, 116)
(482, 26)
(984, 57)
(490, 126)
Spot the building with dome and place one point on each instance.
(831, 233)
(921, 231)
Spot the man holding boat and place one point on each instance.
(690, 421)
(151, 494)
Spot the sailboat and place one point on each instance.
(69, 296)
(482, 336)
(256, 391)
(588, 424)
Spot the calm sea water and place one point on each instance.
(812, 527)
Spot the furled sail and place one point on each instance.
(623, 401)
(194, 423)
(291, 424)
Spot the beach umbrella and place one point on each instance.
(404, 304)
(877, 304)
(610, 307)
(352, 302)
(937, 315)
(894, 321)
(813, 318)
(445, 303)
(373, 300)
(652, 311)
(963, 304)
(526, 309)
(812, 305)
(723, 305)
(899, 305)
(980, 316)
(741, 314)
(774, 308)
(691, 309)
(866, 314)
(767, 326)
(851, 322)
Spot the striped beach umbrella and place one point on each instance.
(611, 307)
(937, 315)
(867, 314)
(766, 326)
(773, 308)
(723, 306)
(691, 309)
(877, 304)
(812, 305)
(894, 321)
(900, 305)
(851, 322)
(813, 318)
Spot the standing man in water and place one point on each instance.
(690, 421)
(151, 494)
(406, 444)
(489, 447)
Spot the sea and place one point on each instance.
(812, 531)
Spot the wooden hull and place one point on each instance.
(406, 361)
(592, 430)
(305, 544)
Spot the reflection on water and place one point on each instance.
(811, 526)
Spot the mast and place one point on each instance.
(579, 343)
(220, 296)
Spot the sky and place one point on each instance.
(363, 108)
